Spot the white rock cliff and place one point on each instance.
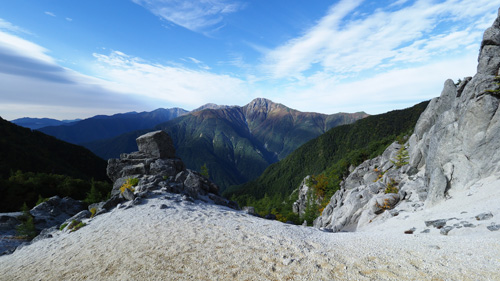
(455, 144)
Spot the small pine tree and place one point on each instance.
(94, 196)
(401, 158)
(204, 171)
(27, 228)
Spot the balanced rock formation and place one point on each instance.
(454, 145)
(155, 167)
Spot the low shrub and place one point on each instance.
(391, 187)
(129, 184)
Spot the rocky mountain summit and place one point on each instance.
(453, 149)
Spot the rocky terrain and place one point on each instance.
(424, 210)
(453, 150)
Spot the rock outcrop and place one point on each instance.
(455, 144)
(306, 198)
(55, 211)
(156, 167)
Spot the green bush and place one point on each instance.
(391, 187)
(75, 225)
(27, 228)
(401, 158)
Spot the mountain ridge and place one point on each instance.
(108, 126)
(235, 142)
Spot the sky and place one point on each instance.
(76, 59)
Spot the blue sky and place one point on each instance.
(76, 59)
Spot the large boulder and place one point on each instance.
(55, 211)
(195, 184)
(158, 144)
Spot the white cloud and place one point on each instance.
(181, 86)
(340, 44)
(199, 16)
(21, 47)
(50, 14)
(7, 26)
(34, 85)
(397, 88)
(69, 19)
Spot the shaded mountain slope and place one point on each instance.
(105, 127)
(33, 151)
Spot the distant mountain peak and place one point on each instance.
(210, 106)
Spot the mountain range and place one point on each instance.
(37, 123)
(236, 143)
(103, 127)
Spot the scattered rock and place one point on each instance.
(484, 216)
(80, 216)
(137, 201)
(445, 230)
(436, 223)
(410, 231)
(467, 224)
(128, 194)
(493, 227)
(163, 206)
(425, 230)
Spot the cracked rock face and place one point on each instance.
(456, 142)
(456, 138)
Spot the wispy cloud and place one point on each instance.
(69, 19)
(50, 14)
(172, 84)
(199, 16)
(199, 63)
(7, 26)
(341, 43)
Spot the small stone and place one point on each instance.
(466, 224)
(484, 216)
(493, 227)
(128, 194)
(137, 201)
(426, 231)
(445, 230)
(436, 223)
(163, 206)
(410, 231)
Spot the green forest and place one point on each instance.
(34, 166)
(328, 159)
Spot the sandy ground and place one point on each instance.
(198, 241)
